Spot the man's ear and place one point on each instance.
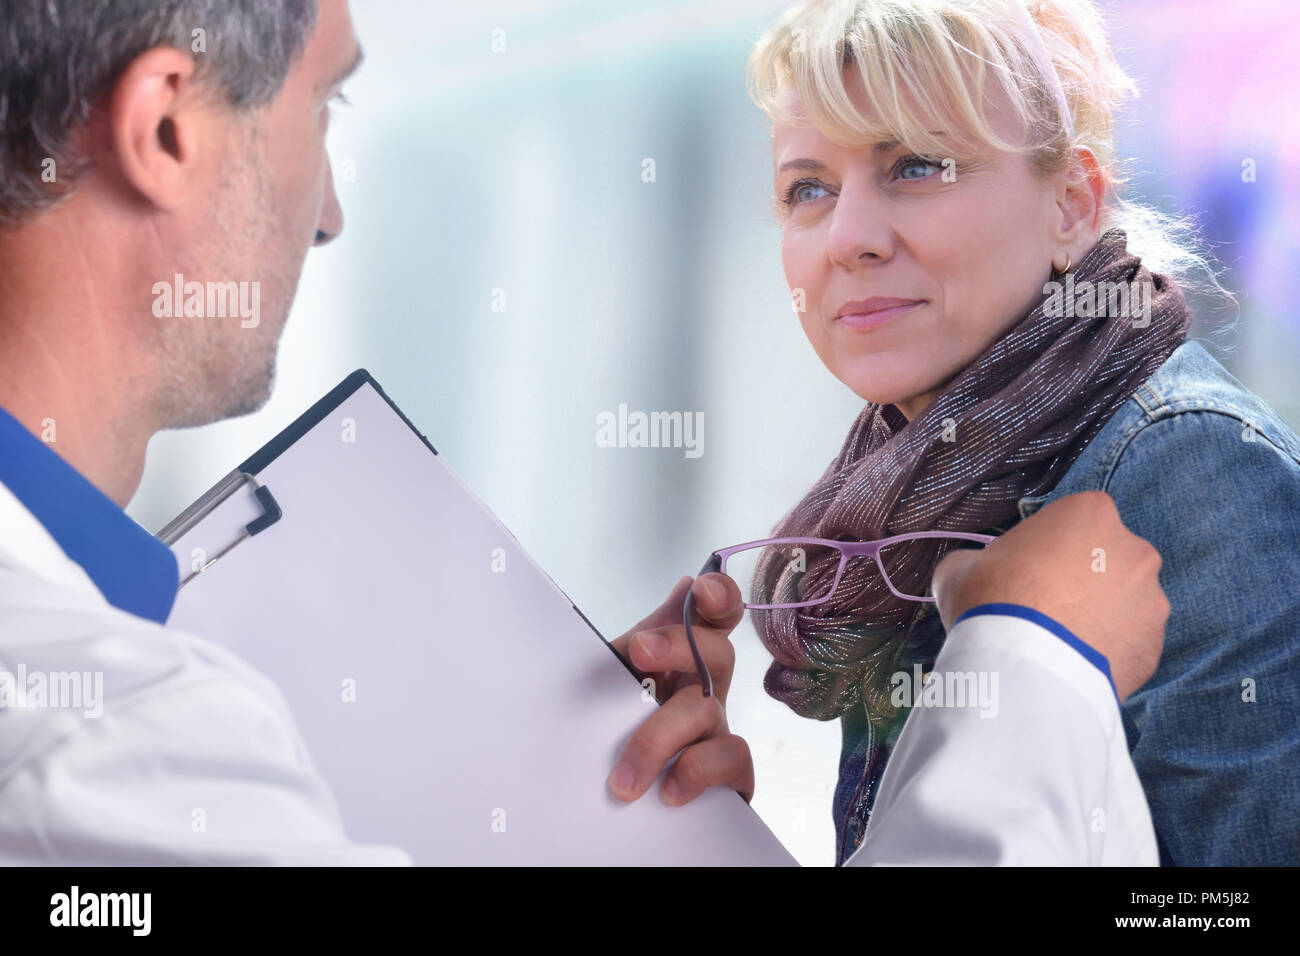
(154, 120)
(1080, 197)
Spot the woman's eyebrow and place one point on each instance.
(805, 165)
(815, 166)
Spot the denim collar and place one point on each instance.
(1190, 371)
(134, 571)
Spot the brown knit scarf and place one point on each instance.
(1009, 425)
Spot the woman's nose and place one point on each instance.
(860, 230)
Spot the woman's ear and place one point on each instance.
(155, 115)
(1080, 197)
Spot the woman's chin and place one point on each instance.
(880, 383)
(882, 396)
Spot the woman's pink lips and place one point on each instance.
(870, 320)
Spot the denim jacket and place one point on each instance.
(1209, 474)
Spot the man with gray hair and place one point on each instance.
(145, 139)
(150, 145)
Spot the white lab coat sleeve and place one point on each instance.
(207, 771)
(1041, 777)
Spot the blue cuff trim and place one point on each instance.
(1091, 654)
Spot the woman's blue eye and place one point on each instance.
(794, 196)
(797, 194)
(913, 162)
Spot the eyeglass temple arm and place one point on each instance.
(688, 610)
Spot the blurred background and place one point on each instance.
(507, 274)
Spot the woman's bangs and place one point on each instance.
(914, 81)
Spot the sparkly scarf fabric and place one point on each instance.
(1008, 426)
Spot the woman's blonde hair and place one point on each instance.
(932, 59)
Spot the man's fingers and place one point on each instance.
(670, 612)
(717, 601)
(717, 604)
(722, 761)
(664, 649)
(683, 719)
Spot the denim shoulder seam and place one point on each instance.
(1232, 411)
(1111, 462)
(1109, 457)
(1153, 404)
(1172, 393)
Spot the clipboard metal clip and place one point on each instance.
(271, 513)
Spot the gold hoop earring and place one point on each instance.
(1068, 262)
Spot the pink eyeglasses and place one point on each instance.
(798, 554)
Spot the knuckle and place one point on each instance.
(723, 652)
(1156, 558)
(650, 745)
(710, 717)
(740, 747)
(706, 714)
(1102, 502)
(950, 565)
(717, 712)
(692, 770)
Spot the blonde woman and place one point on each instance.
(952, 233)
(960, 256)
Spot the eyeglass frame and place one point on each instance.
(717, 563)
